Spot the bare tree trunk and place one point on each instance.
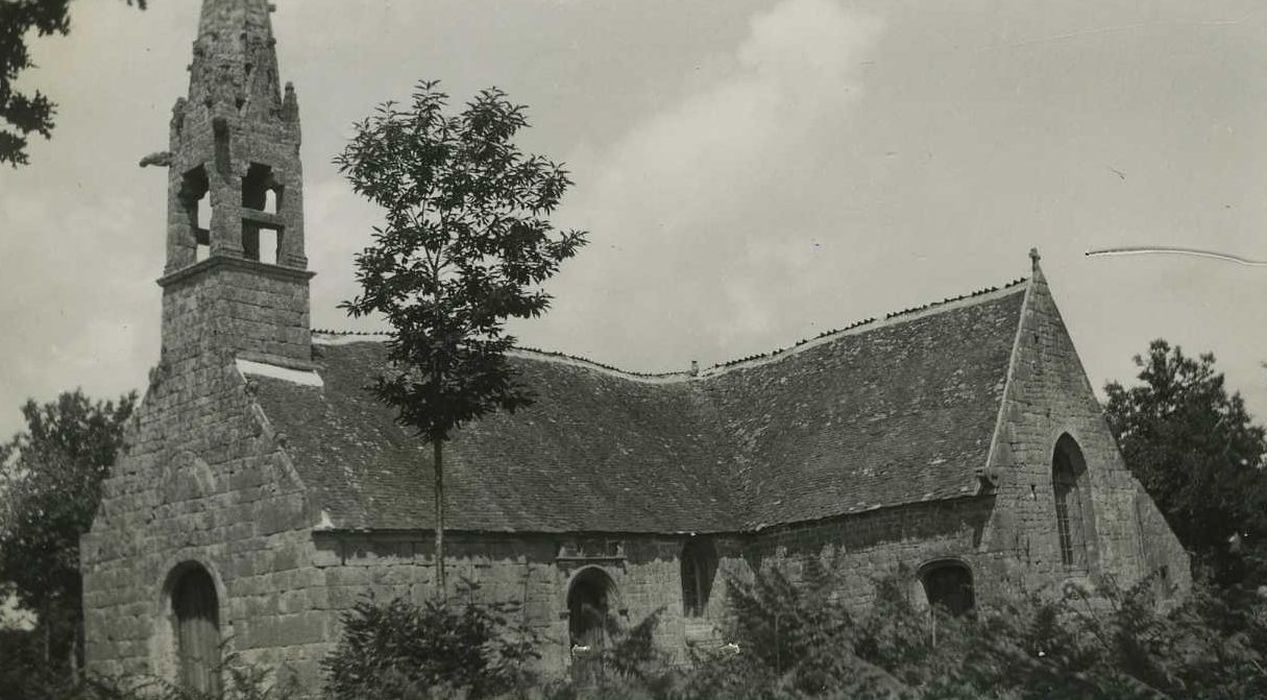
(46, 623)
(77, 648)
(72, 658)
(442, 591)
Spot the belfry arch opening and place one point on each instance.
(194, 199)
(195, 618)
(1072, 494)
(260, 189)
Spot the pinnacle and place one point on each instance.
(227, 18)
(235, 61)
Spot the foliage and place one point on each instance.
(23, 676)
(1106, 642)
(50, 485)
(402, 650)
(1196, 451)
(27, 114)
(465, 246)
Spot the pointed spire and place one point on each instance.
(235, 62)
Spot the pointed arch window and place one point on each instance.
(1072, 494)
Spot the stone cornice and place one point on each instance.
(217, 261)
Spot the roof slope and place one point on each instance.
(901, 413)
(893, 412)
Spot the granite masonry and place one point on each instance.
(263, 492)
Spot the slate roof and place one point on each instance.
(892, 412)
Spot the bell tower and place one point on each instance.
(236, 277)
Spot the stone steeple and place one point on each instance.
(235, 224)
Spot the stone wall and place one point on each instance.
(532, 570)
(869, 546)
(1048, 396)
(536, 570)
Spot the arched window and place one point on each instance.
(948, 585)
(1069, 482)
(699, 567)
(196, 612)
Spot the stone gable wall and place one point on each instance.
(202, 481)
(1049, 395)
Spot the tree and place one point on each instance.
(27, 114)
(1196, 451)
(50, 485)
(465, 246)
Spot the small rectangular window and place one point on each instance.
(260, 242)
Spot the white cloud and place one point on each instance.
(714, 178)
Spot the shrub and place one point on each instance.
(402, 650)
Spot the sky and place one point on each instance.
(751, 172)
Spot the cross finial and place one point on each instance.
(1037, 271)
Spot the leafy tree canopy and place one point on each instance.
(465, 246)
(27, 114)
(50, 485)
(1195, 449)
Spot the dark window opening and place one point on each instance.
(948, 585)
(261, 242)
(699, 568)
(193, 198)
(1068, 476)
(260, 190)
(1161, 585)
(197, 616)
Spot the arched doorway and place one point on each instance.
(948, 586)
(196, 618)
(591, 598)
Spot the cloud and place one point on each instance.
(714, 178)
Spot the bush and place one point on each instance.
(402, 650)
(793, 640)
(797, 641)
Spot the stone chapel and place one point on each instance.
(263, 492)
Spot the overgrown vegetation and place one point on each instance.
(1200, 456)
(50, 480)
(401, 650)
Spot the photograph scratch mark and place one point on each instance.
(1176, 250)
